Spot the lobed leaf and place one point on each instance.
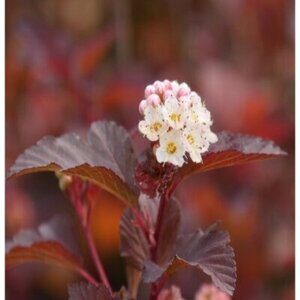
(105, 158)
(233, 149)
(50, 243)
(209, 251)
(46, 252)
(133, 243)
(87, 291)
(135, 246)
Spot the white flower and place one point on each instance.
(171, 148)
(154, 125)
(209, 135)
(177, 120)
(198, 114)
(194, 144)
(175, 112)
(197, 141)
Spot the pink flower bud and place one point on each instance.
(149, 90)
(175, 86)
(184, 90)
(159, 87)
(167, 84)
(142, 106)
(153, 100)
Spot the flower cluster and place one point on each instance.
(177, 121)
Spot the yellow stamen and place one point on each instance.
(190, 139)
(175, 117)
(156, 126)
(171, 148)
(194, 117)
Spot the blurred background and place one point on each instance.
(71, 62)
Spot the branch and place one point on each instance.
(96, 258)
(88, 277)
(77, 192)
(167, 189)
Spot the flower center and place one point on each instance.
(190, 139)
(156, 126)
(175, 117)
(171, 148)
(194, 116)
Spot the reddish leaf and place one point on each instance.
(105, 158)
(233, 149)
(209, 251)
(149, 209)
(50, 243)
(87, 291)
(48, 252)
(134, 245)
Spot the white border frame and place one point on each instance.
(2, 149)
(297, 127)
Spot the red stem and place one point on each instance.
(159, 221)
(85, 218)
(157, 286)
(88, 277)
(96, 258)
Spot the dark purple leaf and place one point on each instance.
(87, 291)
(152, 271)
(51, 243)
(105, 158)
(209, 250)
(233, 149)
(134, 245)
(149, 208)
